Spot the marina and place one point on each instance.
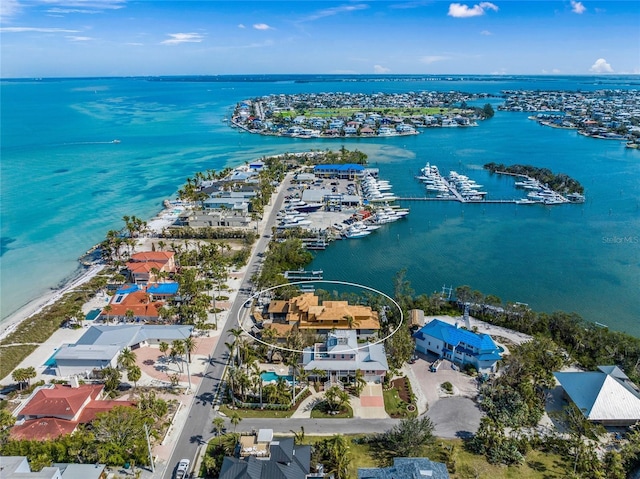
(458, 187)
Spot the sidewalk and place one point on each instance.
(305, 407)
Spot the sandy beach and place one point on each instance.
(155, 226)
(38, 304)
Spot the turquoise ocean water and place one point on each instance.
(64, 184)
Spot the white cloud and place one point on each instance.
(84, 5)
(577, 7)
(486, 32)
(9, 8)
(240, 25)
(66, 11)
(601, 66)
(261, 26)
(75, 38)
(329, 12)
(177, 38)
(36, 30)
(429, 59)
(404, 6)
(459, 10)
(380, 69)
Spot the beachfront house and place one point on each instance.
(100, 346)
(55, 410)
(606, 396)
(458, 345)
(149, 266)
(340, 356)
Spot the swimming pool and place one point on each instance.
(271, 376)
(52, 359)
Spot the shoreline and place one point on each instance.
(35, 306)
(156, 224)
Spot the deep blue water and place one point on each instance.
(64, 184)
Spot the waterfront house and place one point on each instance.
(142, 266)
(100, 346)
(54, 410)
(304, 312)
(458, 345)
(340, 355)
(606, 396)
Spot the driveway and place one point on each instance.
(455, 417)
(454, 414)
(370, 404)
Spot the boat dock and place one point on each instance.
(302, 275)
(455, 198)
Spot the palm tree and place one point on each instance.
(29, 374)
(178, 350)
(341, 457)
(129, 315)
(351, 321)
(18, 376)
(107, 309)
(360, 382)
(127, 358)
(134, 374)
(189, 346)
(236, 333)
(235, 420)
(164, 347)
(218, 427)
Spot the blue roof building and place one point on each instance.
(163, 290)
(344, 171)
(458, 345)
(407, 468)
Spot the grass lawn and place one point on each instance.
(395, 406)
(348, 112)
(537, 465)
(256, 413)
(319, 412)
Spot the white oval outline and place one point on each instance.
(346, 283)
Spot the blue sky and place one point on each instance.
(44, 38)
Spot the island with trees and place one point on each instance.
(357, 115)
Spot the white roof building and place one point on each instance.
(606, 396)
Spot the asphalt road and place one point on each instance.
(198, 427)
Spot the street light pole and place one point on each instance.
(146, 433)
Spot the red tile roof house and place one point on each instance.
(141, 264)
(138, 302)
(55, 410)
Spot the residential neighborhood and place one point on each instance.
(340, 115)
(205, 338)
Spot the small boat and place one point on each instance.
(115, 141)
(525, 201)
